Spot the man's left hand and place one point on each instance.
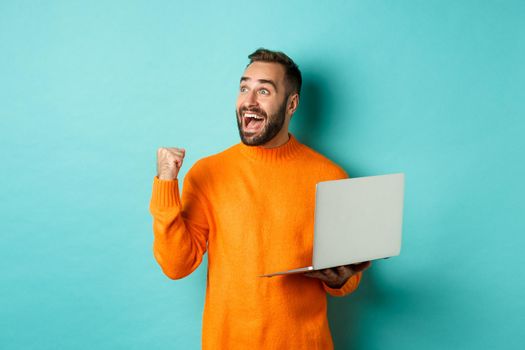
(336, 277)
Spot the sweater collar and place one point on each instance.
(285, 151)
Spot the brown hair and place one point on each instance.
(293, 76)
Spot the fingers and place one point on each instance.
(331, 274)
(338, 275)
(321, 275)
(177, 151)
(345, 272)
(326, 275)
(171, 151)
(360, 266)
(171, 155)
(169, 161)
(314, 274)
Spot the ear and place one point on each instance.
(293, 103)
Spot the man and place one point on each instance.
(252, 207)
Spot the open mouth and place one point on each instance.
(252, 122)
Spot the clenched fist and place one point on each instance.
(169, 161)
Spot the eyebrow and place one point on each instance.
(262, 81)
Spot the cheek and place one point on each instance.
(239, 103)
(270, 107)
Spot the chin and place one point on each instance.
(251, 140)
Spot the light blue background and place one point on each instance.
(89, 90)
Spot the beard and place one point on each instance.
(274, 124)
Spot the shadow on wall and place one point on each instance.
(307, 122)
(326, 104)
(309, 119)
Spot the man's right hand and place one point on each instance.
(169, 161)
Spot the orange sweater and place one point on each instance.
(252, 208)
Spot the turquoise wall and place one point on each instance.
(89, 90)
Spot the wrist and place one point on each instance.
(167, 177)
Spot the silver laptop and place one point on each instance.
(356, 220)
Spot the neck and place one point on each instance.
(281, 138)
(278, 154)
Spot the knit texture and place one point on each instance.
(252, 209)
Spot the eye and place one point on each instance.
(264, 92)
(243, 89)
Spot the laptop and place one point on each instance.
(356, 220)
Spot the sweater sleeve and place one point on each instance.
(347, 288)
(180, 227)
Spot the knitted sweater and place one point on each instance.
(252, 209)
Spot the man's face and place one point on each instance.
(261, 104)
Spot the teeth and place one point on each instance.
(253, 116)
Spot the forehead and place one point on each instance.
(265, 71)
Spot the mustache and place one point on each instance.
(256, 110)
